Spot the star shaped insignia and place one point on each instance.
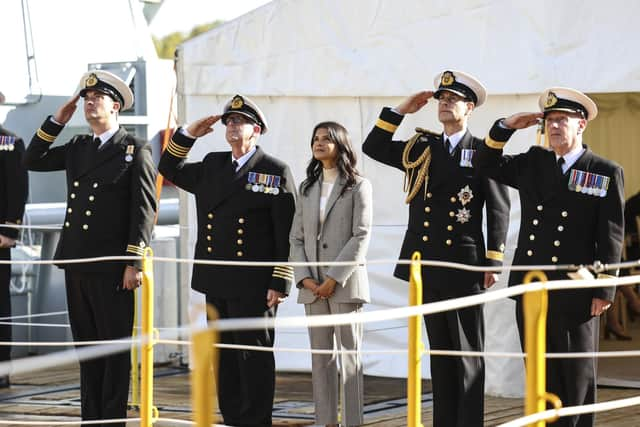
(465, 195)
(463, 215)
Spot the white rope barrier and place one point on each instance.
(445, 264)
(68, 423)
(47, 325)
(27, 316)
(573, 410)
(93, 349)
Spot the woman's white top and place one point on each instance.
(329, 177)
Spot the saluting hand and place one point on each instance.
(65, 112)
(202, 126)
(522, 120)
(415, 102)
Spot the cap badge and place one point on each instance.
(92, 80)
(551, 100)
(447, 78)
(237, 103)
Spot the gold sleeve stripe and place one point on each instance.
(382, 124)
(178, 147)
(605, 276)
(282, 276)
(135, 249)
(283, 272)
(494, 144)
(177, 150)
(45, 136)
(495, 255)
(171, 151)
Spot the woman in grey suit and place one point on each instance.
(333, 223)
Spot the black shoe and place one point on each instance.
(4, 382)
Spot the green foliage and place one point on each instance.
(166, 46)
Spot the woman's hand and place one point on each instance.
(310, 284)
(326, 289)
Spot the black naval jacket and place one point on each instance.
(440, 227)
(559, 225)
(14, 183)
(111, 200)
(632, 230)
(235, 223)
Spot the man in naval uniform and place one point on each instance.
(572, 212)
(111, 207)
(14, 187)
(245, 206)
(446, 198)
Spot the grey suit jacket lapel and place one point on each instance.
(311, 222)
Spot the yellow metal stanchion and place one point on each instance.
(535, 304)
(204, 373)
(416, 348)
(135, 358)
(147, 411)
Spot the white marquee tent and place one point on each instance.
(304, 61)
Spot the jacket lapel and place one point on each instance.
(440, 163)
(583, 163)
(551, 180)
(312, 218)
(251, 163)
(82, 158)
(335, 193)
(111, 148)
(227, 181)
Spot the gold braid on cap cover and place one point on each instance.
(422, 162)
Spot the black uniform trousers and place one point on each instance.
(5, 303)
(246, 379)
(99, 309)
(572, 380)
(459, 401)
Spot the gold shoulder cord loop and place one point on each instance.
(423, 161)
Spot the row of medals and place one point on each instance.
(7, 143)
(261, 188)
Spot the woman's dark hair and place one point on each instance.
(345, 162)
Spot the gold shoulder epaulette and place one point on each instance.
(427, 132)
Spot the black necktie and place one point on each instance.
(560, 162)
(96, 144)
(447, 146)
(234, 163)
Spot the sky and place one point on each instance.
(183, 15)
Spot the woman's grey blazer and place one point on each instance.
(344, 236)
